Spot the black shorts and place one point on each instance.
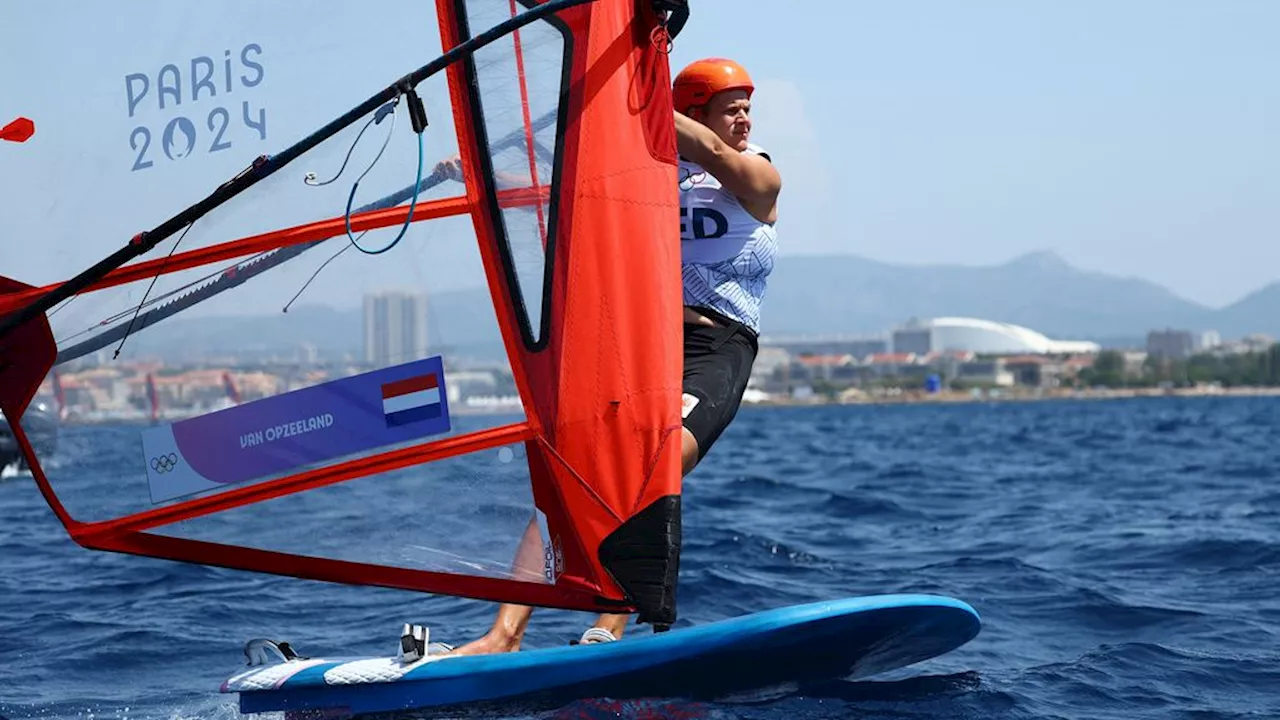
(717, 366)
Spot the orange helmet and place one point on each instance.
(696, 83)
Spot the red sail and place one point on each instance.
(580, 254)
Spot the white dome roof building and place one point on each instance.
(981, 336)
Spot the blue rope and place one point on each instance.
(403, 229)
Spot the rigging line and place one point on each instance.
(154, 278)
(418, 118)
(310, 179)
(528, 122)
(389, 108)
(178, 291)
(378, 117)
(246, 269)
(268, 165)
(306, 284)
(155, 300)
(404, 228)
(231, 277)
(62, 306)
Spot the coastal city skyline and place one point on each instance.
(940, 353)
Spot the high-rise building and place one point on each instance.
(395, 328)
(1170, 343)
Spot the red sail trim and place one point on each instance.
(42, 482)
(565, 594)
(274, 240)
(127, 534)
(311, 479)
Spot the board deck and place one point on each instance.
(847, 638)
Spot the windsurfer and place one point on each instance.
(728, 207)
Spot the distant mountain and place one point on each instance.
(331, 332)
(461, 321)
(807, 294)
(841, 293)
(1258, 311)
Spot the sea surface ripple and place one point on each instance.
(1124, 556)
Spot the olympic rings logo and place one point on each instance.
(688, 178)
(164, 463)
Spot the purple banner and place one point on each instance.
(300, 428)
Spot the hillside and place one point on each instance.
(808, 294)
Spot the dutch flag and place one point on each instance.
(411, 400)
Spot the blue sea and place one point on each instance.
(1124, 556)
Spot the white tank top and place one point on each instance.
(727, 254)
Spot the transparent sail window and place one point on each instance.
(521, 82)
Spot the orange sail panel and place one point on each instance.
(604, 363)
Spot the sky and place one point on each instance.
(1138, 138)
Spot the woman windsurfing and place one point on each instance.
(728, 208)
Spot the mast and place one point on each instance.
(602, 370)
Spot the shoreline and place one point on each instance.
(902, 397)
(920, 397)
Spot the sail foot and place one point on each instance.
(643, 556)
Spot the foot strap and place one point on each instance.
(594, 635)
(256, 651)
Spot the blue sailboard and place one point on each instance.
(849, 638)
